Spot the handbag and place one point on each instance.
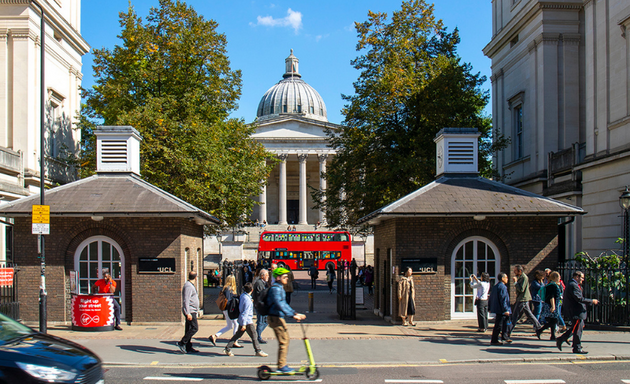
(221, 301)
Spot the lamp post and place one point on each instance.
(624, 202)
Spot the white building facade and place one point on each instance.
(20, 93)
(561, 93)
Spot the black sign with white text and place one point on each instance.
(423, 266)
(156, 265)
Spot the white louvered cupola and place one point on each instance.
(117, 149)
(457, 151)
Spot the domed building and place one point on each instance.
(291, 123)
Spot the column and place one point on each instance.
(303, 202)
(262, 217)
(322, 185)
(282, 204)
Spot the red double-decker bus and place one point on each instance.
(300, 250)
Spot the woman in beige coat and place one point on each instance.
(406, 298)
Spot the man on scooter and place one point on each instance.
(278, 310)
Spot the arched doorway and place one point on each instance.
(471, 256)
(92, 256)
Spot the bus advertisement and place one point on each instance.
(300, 250)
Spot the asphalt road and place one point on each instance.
(587, 372)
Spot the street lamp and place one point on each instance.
(624, 202)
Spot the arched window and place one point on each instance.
(471, 257)
(95, 254)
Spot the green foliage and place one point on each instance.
(171, 80)
(606, 273)
(411, 85)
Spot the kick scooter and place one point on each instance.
(309, 370)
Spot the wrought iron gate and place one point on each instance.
(346, 290)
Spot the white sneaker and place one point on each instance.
(261, 354)
(229, 353)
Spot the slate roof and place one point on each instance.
(110, 194)
(470, 196)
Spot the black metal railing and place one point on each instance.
(346, 290)
(9, 304)
(608, 286)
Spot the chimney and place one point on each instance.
(117, 149)
(457, 151)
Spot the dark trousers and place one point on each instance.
(551, 323)
(190, 329)
(289, 297)
(116, 311)
(500, 327)
(251, 332)
(519, 308)
(575, 330)
(313, 282)
(482, 314)
(261, 324)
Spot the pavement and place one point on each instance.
(368, 340)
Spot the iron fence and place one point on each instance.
(608, 286)
(346, 290)
(9, 304)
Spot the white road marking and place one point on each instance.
(161, 378)
(412, 381)
(536, 381)
(625, 381)
(294, 381)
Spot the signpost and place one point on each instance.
(41, 220)
(41, 227)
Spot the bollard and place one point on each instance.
(310, 302)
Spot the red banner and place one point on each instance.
(92, 311)
(6, 277)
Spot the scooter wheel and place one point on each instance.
(312, 376)
(264, 372)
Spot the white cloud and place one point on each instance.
(293, 19)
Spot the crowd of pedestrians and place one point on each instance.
(542, 301)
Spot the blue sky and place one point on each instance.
(260, 35)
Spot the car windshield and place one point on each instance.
(11, 329)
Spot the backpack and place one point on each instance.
(233, 310)
(262, 308)
(542, 292)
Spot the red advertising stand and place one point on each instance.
(92, 312)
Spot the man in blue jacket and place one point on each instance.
(278, 310)
(500, 305)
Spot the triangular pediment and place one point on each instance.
(292, 128)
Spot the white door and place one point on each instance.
(92, 256)
(472, 256)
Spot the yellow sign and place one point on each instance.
(41, 214)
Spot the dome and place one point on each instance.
(292, 96)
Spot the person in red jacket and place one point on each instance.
(108, 285)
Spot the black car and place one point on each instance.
(27, 356)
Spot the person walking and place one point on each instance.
(500, 306)
(229, 290)
(245, 322)
(534, 290)
(314, 274)
(575, 309)
(288, 287)
(278, 310)
(523, 297)
(481, 300)
(190, 308)
(330, 278)
(261, 320)
(550, 307)
(369, 279)
(407, 297)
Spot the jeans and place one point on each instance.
(261, 324)
(537, 309)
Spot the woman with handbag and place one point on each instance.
(227, 293)
(481, 300)
(550, 306)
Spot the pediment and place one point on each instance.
(292, 129)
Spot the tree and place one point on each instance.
(411, 85)
(171, 80)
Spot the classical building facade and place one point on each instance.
(20, 94)
(561, 93)
(291, 123)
